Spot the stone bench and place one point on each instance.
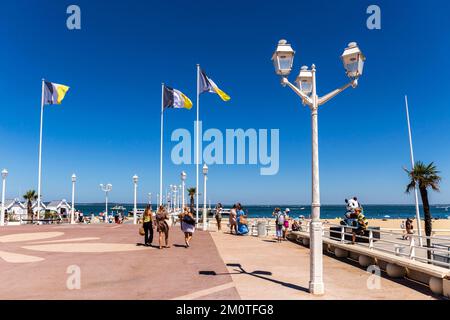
(436, 277)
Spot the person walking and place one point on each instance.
(147, 224)
(218, 216)
(232, 219)
(279, 223)
(286, 223)
(162, 227)
(187, 222)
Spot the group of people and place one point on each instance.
(159, 219)
(237, 219)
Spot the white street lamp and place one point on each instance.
(72, 216)
(175, 191)
(353, 60)
(179, 198)
(283, 58)
(135, 181)
(205, 212)
(169, 198)
(150, 199)
(183, 184)
(106, 189)
(2, 215)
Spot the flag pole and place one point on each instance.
(419, 229)
(40, 151)
(161, 150)
(197, 160)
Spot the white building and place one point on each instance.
(34, 206)
(15, 208)
(62, 207)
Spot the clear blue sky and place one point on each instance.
(107, 128)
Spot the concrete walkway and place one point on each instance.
(264, 269)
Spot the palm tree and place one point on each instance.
(30, 196)
(191, 191)
(425, 177)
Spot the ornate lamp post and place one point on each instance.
(353, 61)
(2, 215)
(205, 211)
(72, 216)
(183, 184)
(135, 182)
(106, 189)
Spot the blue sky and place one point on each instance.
(107, 128)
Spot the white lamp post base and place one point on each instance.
(316, 285)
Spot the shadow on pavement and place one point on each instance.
(257, 273)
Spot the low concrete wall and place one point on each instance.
(437, 278)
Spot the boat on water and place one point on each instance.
(139, 212)
(225, 212)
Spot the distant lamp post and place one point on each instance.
(183, 185)
(150, 199)
(179, 198)
(72, 216)
(2, 216)
(353, 61)
(135, 181)
(169, 198)
(174, 204)
(106, 189)
(205, 211)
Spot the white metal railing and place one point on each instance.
(387, 242)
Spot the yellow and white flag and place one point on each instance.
(54, 93)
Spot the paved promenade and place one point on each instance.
(271, 270)
(34, 261)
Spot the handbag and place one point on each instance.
(242, 220)
(141, 231)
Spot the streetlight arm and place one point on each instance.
(332, 94)
(306, 100)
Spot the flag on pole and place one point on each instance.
(54, 93)
(174, 98)
(208, 85)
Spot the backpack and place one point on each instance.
(189, 220)
(280, 219)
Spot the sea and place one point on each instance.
(326, 212)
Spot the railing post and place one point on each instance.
(342, 234)
(412, 249)
(370, 239)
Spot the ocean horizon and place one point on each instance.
(377, 211)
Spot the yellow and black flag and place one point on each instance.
(207, 85)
